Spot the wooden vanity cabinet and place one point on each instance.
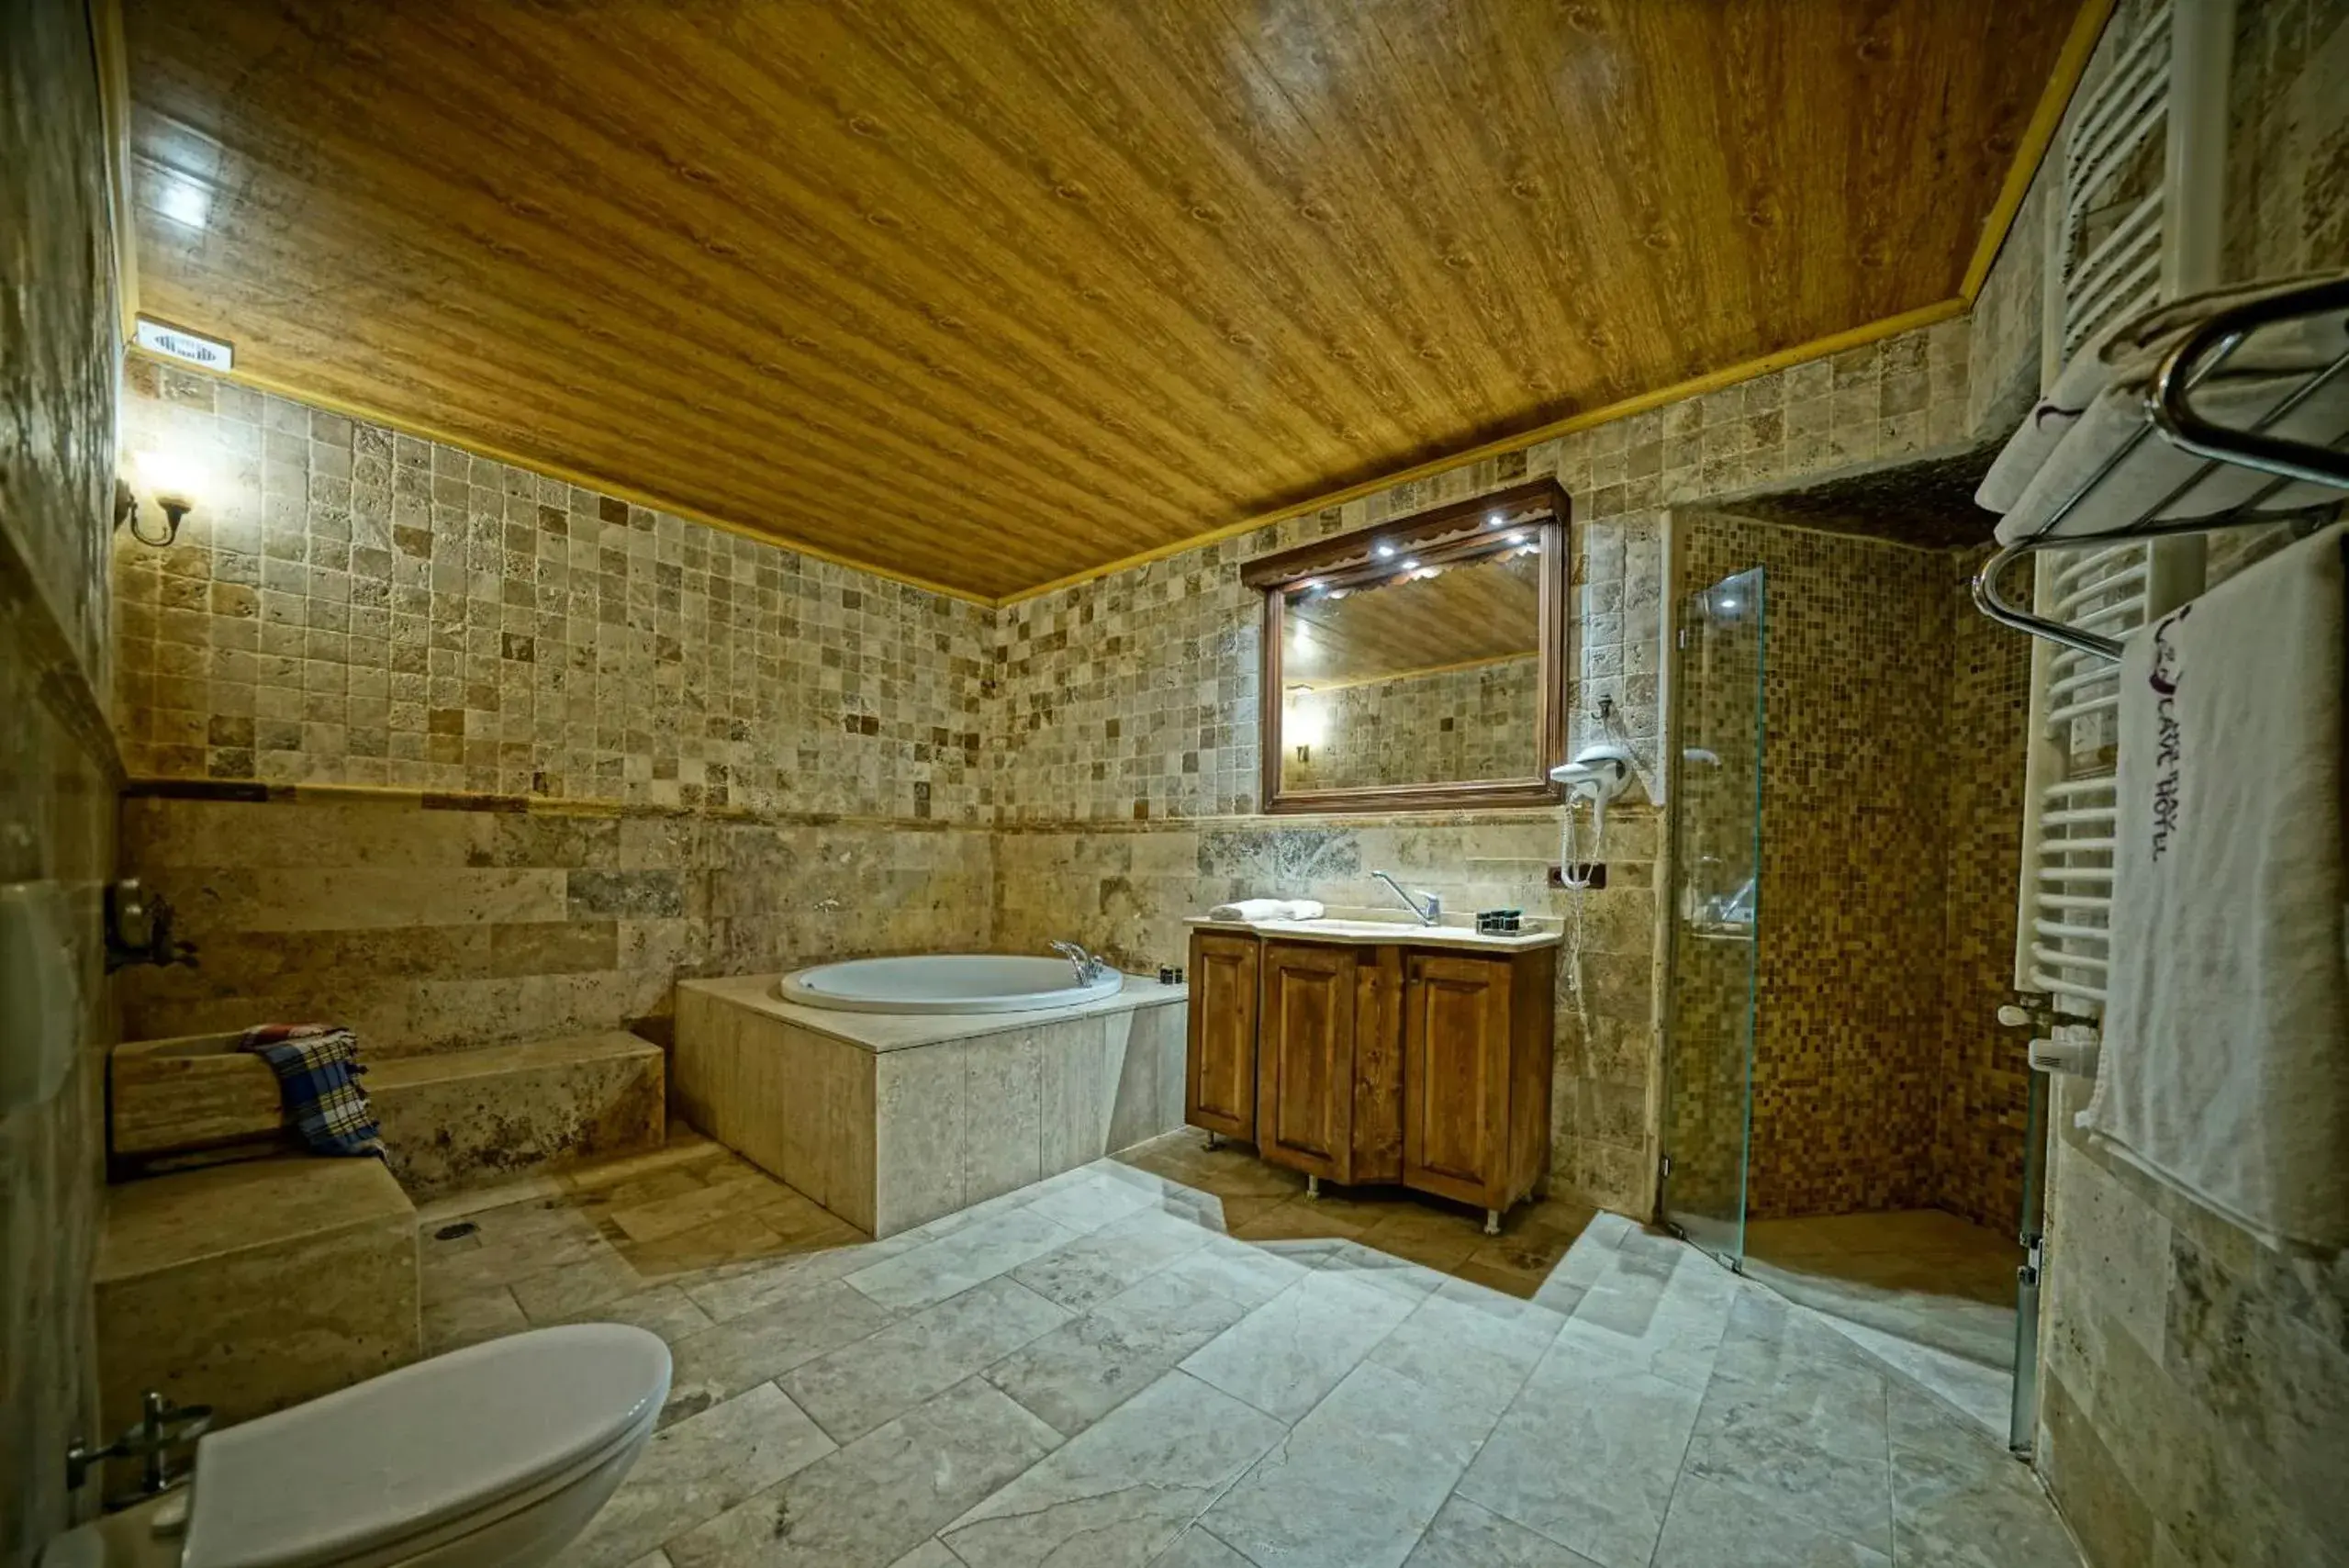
(1476, 1053)
(1376, 1063)
(1329, 1061)
(1219, 1071)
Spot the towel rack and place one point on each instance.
(2171, 417)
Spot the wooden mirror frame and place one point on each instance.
(1454, 530)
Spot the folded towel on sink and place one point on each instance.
(1267, 909)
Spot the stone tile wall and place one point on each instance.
(440, 923)
(58, 769)
(348, 606)
(2194, 1386)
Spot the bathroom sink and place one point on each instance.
(1353, 927)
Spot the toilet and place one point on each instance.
(495, 1456)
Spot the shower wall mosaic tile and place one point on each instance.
(346, 605)
(1982, 1121)
(1892, 757)
(1423, 729)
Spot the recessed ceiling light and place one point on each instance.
(184, 201)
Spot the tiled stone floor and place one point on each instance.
(1172, 1358)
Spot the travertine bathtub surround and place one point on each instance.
(889, 1120)
(255, 1286)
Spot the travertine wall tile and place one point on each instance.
(346, 606)
(59, 359)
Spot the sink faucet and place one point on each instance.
(1090, 967)
(1429, 913)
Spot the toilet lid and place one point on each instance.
(402, 1453)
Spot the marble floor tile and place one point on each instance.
(1960, 1500)
(1587, 1454)
(1285, 1355)
(1453, 1339)
(1097, 1266)
(954, 1262)
(1710, 1526)
(1086, 1199)
(852, 1390)
(1124, 1488)
(1581, 1392)
(1465, 1536)
(1089, 1366)
(1357, 1480)
(1794, 1422)
(872, 1502)
(1249, 1275)
(1198, 1547)
(768, 1341)
(697, 1469)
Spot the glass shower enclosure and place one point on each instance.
(1717, 867)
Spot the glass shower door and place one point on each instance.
(1716, 859)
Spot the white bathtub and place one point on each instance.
(946, 983)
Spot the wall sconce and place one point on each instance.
(1306, 722)
(168, 482)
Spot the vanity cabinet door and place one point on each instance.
(1455, 1077)
(1219, 1074)
(1305, 1081)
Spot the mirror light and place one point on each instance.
(1383, 551)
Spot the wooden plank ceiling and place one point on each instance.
(991, 291)
(1480, 613)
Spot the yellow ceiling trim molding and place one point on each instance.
(1695, 386)
(368, 415)
(114, 107)
(2070, 64)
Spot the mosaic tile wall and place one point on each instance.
(1983, 1120)
(2194, 1386)
(58, 770)
(350, 606)
(1425, 729)
(1848, 1041)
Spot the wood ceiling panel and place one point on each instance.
(991, 291)
(1479, 612)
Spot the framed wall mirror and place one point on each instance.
(1419, 665)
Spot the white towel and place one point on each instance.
(2226, 1061)
(2133, 349)
(2153, 468)
(1266, 909)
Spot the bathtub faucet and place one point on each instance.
(1090, 967)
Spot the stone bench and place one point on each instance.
(254, 1286)
(451, 1119)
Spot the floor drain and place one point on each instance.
(451, 1232)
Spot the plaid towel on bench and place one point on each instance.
(318, 1075)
